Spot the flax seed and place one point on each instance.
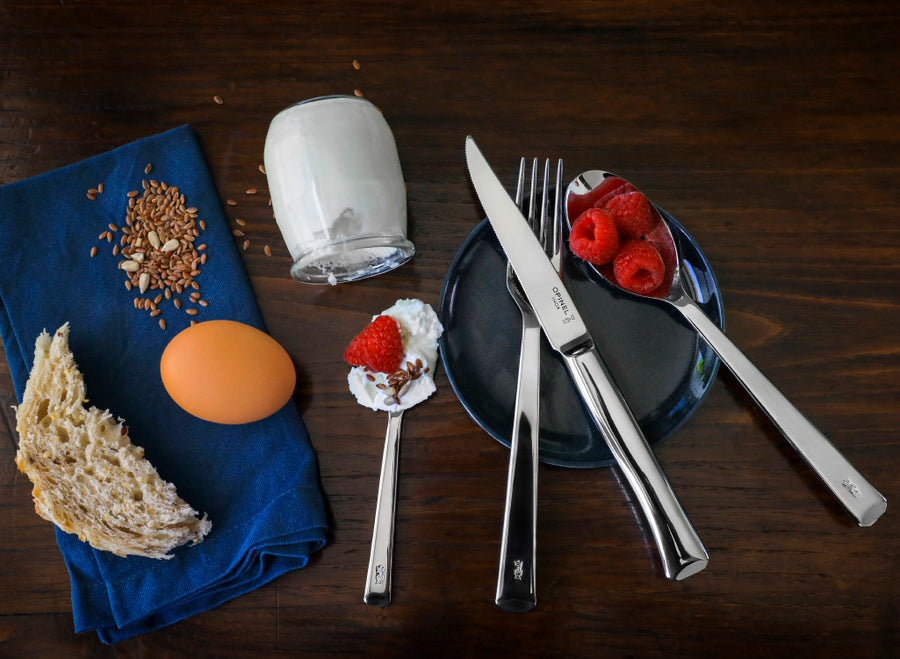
(237, 233)
(267, 250)
(218, 100)
(252, 190)
(169, 263)
(262, 169)
(231, 202)
(148, 168)
(191, 312)
(356, 92)
(240, 222)
(93, 252)
(100, 188)
(245, 245)
(356, 64)
(162, 323)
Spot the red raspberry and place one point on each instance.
(632, 214)
(638, 267)
(593, 237)
(611, 187)
(379, 347)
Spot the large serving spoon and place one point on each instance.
(856, 494)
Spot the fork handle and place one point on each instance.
(516, 583)
(681, 552)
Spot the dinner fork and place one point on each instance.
(516, 583)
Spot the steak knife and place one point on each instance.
(681, 552)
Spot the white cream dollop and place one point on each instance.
(420, 330)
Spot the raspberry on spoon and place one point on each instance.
(610, 188)
(594, 237)
(632, 214)
(638, 267)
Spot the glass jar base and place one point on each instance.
(351, 260)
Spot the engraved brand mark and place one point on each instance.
(518, 570)
(851, 487)
(560, 303)
(379, 574)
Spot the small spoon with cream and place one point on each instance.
(394, 392)
(596, 189)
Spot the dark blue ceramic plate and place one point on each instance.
(658, 362)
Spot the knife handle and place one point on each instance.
(856, 494)
(681, 552)
(381, 554)
(516, 582)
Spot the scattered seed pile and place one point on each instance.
(239, 231)
(159, 257)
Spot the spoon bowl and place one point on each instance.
(596, 188)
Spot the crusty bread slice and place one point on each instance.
(88, 477)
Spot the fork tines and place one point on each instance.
(546, 221)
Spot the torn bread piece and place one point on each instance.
(89, 479)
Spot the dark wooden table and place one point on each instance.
(770, 129)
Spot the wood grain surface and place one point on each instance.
(771, 130)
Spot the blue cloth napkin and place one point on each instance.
(256, 482)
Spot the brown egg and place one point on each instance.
(227, 372)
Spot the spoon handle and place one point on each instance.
(858, 496)
(378, 579)
(681, 552)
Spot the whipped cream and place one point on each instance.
(420, 330)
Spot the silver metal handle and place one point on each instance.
(857, 495)
(516, 582)
(681, 552)
(378, 579)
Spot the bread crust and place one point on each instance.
(89, 479)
